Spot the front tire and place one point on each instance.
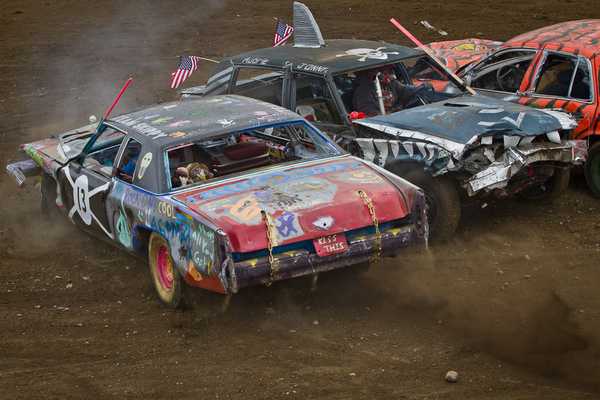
(441, 195)
(48, 197)
(592, 169)
(166, 279)
(556, 185)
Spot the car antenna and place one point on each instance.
(430, 54)
(116, 100)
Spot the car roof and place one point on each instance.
(336, 56)
(176, 122)
(578, 37)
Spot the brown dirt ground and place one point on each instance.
(511, 303)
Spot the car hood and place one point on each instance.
(303, 202)
(462, 119)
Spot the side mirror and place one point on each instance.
(356, 115)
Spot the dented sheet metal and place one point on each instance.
(484, 141)
(461, 119)
(498, 173)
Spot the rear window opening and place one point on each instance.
(240, 152)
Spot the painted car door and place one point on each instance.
(84, 189)
(564, 81)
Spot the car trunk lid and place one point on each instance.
(303, 202)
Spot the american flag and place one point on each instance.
(282, 33)
(187, 65)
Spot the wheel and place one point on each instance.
(549, 190)
(166, 279)
(441, 196)
(592, 169)
(48, 197)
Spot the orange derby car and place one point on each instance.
(557, 66)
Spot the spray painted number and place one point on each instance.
(166, 209)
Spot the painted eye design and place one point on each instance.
(323, 223)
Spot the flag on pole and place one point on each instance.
(187, 65)
(282, 33)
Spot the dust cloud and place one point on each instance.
(526, 302)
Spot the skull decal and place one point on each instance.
(146, 160)
(364, 54)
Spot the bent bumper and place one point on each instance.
(498, 174)
(20, 170)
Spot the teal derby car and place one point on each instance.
(223, 193)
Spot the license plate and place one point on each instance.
(332, 244)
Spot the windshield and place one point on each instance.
(73, 142)
(236, 153)
(406, 84)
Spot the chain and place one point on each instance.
(369, 203)
(270, 241)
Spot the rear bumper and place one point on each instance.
(299, 263)
(237, 275)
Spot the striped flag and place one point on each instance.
(282, 33)
(187, 65)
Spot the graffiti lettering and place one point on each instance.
(203, 243)
(166, 209)
(312, 68)
(255, 60)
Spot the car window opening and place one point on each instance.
(129, 159)
(259, 83)
(564, 76)
(102, 161)
(243, 151)
(314, 100)
(410, 83)
(502, 72)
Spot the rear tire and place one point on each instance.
(443, 200)
(592, 169)
(556, 185)
(166, 279)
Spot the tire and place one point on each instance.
(48, 197)
(166, 279)
(441, 195)
(592, 169)
(556, 185)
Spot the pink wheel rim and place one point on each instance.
(165, 269)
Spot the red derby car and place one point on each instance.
(553, 67)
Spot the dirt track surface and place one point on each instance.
(511, 303)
